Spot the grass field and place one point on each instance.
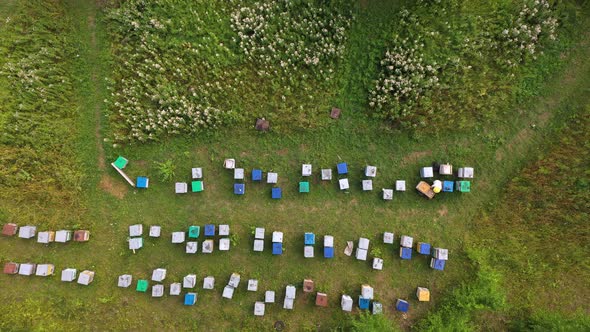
(106, 206)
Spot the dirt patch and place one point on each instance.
(443, 211)
(113, 187)
(518, 140)
(283, 152)
(415, 156)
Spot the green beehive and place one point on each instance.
(197, 186)
(463, 186)
(121, 162)
(194, 232)
(142, 286)
(303, 187)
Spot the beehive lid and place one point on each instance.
(371, 171)
(405, 253)
(367, 185)
(228, 292)
(361, 254)
(190, 298)
(11, 268)
(234, 280)
(175, 288)
(402, 305)
(192, 247)
(259, 308)
(197, 172)
(288, 304)
(86, 277)
(155, 231)
(388, 194)
(68, 275)
(269, 297)
(321, 299)
(194, 232)
(343, 183)
(142, 286)
(239, 188)
(27, 232)
(81, 236)
(308, 252)
(177, 237)
(377, 263)
(63, 236)
(157, 290)
(306, 170)
(426, 172)
(400, 185)
(252, 285)
(406, 241)
(229, 163)
(277, 237)
(239, 174)
(159, 274)
(364, 243)
(27, 269)
(125, 280)
(367, 292)
(290, 291)
(342, 168)
(135, 243)
(44, 270)
(180, 187)
(256, 175)
(208, 246)
(45, 237)
(377, 308)
(272, 177)
(388, 237)
(258, 245)
(9, 229)
(328, 241)
(423, 294)
(346, 303)
(197, 186)
(208, 282)
(223, 230)
(224, 244)
(189, 281)
(259, 233)
(326, 174)
(364, 303)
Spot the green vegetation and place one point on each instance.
(515, 240)
(37, 122)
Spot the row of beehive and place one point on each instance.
(46, 270)
(46, 237)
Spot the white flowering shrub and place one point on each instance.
(187, 65)
(292, 35)
(404, 79)
(446, 59)
(533, 23)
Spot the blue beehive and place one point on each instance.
(277, 248)
(190, 298)
(363, 303)
(142, 182)
(448, 186)
(342, 168)
(437, 264)
(402, 305)
(405, 253)
(276, 193)
(329, 252)
(209, 230)
(256, 175)
(239, 188)
(424, 248)
(309, 239)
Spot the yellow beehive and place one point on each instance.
(423, 294)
